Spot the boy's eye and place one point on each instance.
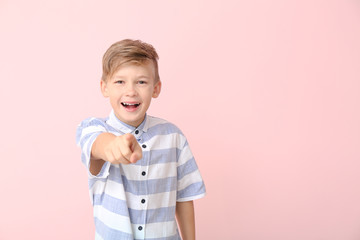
(119, 82)
(142, 82)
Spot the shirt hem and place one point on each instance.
(191, 198)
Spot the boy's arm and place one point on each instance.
(114, 149)
(185, 216)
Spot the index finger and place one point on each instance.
(137, 153)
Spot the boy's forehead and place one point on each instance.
(144, 68)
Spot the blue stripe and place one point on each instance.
(150, 186)
(159, 156)
(83, 158)
(108, 233)
(144, 187)
(175, 237)
(192, 190)
(92, 181)
(163, 155)
(187, 168)
(112, 129)
(152, 215)
(161, 129)
(91, 122)
(88, 123)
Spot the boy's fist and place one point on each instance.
(123, 149)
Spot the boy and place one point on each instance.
(142, 174)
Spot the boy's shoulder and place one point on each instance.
(161, 125)
(93, 121)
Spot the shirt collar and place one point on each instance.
(126, 128)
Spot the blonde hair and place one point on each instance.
(125, 51)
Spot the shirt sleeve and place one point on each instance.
(86, 133)
(190, 183)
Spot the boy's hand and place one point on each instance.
(123, 149)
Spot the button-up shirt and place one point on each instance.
(138, 201)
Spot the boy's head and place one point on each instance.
(130, 79)
(128, 51)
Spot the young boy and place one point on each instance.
(142, 174)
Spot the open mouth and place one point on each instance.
(130, 106)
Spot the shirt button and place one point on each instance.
(143, 173)
(143, 201)
(144, 146)
(137, 132)
(140, 228)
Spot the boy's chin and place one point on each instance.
(134, 121)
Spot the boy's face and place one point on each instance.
(130, 90)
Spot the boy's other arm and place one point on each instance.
(114, 149)
(185, 216)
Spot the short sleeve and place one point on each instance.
(86, 133)
(190, 183)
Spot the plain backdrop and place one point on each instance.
(267, 93)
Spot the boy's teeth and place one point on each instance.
(130, 104)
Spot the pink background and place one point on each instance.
(267, 92)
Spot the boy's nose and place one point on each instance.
(130, 90)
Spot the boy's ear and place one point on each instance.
(157, 89)
(104, 89)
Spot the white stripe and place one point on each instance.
(185, 155)
(153, 201)
(138, 234)
(98, 237)
(172, 140)
(110, 188)
(131, 171)
(113, 220)
(98, 187)
(160, 230)
(86, 149)
(155, 171)
(162, 170)
(153, 121)
(189, 179)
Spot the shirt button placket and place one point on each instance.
(137, 134)
(143, 199)
(140, 232)
(144, 170)
(143, 202)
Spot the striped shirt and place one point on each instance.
(137, 201)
